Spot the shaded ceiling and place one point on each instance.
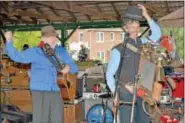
(29, 12)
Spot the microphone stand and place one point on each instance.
(137, 77)
(116, 93)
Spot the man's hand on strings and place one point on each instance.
(9, 36)
(66, 69)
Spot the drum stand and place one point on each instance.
(104, 106)
(137, 78)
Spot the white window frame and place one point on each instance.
(112, 35)
(80, 37)
(122, 34)
(98, 38)
(100, 52)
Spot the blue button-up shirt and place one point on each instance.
(115, 55)
(43, 74)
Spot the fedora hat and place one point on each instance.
(133, 12)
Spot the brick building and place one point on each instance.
(98, 41)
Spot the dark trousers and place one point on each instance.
(125, 110)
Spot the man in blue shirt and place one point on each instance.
(130, 64)
(47, 101)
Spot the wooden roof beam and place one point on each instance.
(97, 6)
(89, 17)
(54, 12)
(116, 11)
(91, 12)
(99, 9)
(40, 12)
(11, 20)
(33, 19)
(75, 8)
(37, 15)
(166, 3)
(4, 6)
(72, 15)
(24, 20)
(153, 9)
(26, 6)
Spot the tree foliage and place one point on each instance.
(30, 38)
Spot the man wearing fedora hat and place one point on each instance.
(127, 72)
(47, 101)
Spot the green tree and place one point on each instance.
(30, 38)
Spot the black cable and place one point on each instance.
(104, 111)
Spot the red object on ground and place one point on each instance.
(168, 119)
(179, 91)
(179, 80)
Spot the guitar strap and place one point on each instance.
(132, 47)
(53, 58)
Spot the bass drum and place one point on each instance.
(96, 114)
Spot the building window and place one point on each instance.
(112, 36)
(122, 35)
(101, 56)
(81, 37)
(98, 55)
(99, 36)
